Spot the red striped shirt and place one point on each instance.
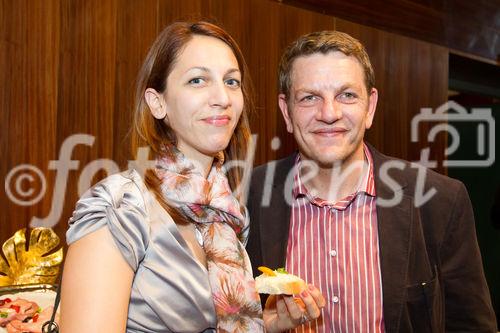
(335, 247)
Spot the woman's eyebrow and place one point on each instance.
(206, 70)
(232, 70)
(201, 68)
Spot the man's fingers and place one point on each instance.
(300, 302)
(295, 310)
(317, 295)
(311, 298)
(281, 308)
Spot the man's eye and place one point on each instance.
(233, 83)
(348, 97)
(308, 98)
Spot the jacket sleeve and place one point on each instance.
(467, 299)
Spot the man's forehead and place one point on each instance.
(314, 59)
(319, 69)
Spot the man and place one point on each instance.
(350, 220)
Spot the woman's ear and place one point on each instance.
(156, 103)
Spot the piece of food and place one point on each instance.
(266, 271)
(34, 325)
(276, 282)
(26, 311)
(19, 309)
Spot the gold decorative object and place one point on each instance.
(33, 264)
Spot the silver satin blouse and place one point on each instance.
(170, 291)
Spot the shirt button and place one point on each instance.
(333, 253)
(335, 299)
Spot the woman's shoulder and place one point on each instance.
(119, 203)
(115, 187)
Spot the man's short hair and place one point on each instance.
(323, 42)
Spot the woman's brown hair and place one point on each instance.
(154, 133)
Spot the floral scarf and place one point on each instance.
(223, 228)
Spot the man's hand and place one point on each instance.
(284, 312)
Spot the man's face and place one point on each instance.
(329, 107)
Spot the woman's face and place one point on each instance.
(203, 100)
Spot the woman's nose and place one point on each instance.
(219, 96)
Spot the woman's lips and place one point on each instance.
(217, 120)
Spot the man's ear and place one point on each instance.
(283, 104)
(156, 103)
(372, 106)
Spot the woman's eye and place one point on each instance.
(233, 83)
(196, 81)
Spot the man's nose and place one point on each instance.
(329, 112)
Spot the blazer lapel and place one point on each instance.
(394, 226)
(275, 219)
(394, 231)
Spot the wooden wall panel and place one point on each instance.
(29, 46)
(70, 66)
(132, 43)
(86, 85)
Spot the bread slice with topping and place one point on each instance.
(276, 282)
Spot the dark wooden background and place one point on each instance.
(69, 66)
(464, 26)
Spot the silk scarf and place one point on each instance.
(222, 225)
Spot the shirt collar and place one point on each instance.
(367, 185)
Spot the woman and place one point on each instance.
(163, 251)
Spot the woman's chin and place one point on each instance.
(214, 149)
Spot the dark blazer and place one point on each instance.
(432, 275)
